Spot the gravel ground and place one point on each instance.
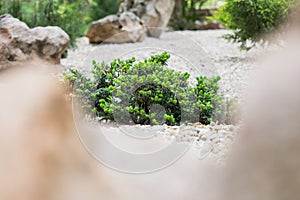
(197, 52)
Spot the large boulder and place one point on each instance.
(123, 28)
(154, 13)
(18, 42)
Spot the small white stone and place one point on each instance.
(205, 150)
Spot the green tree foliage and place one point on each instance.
(185, 13)
(14, 7)
(73, 16)
(70, 15)
(252, 20)
(102, 8)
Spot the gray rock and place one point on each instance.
(154, 13)
(55, 41)
(123, 28)
(19, 43)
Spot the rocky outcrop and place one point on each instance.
(122, 28)
(19, 43)
(134, 20)
(154, 13)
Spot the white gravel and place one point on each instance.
(197, 52)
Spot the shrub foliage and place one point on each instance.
(145, 92)
(251, 20)
(73, 16)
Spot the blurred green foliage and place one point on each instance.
(73, 16)
(186, 12)
(102, 8)
(252, 20)
(14, 7)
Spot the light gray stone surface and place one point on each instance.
(19, 43)
(123, 28)
(155, 14)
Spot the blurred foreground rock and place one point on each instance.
(122, 28)
(40, 154)
(19, 43)
(265, 161)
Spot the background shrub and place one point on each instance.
(102, 8)
(185, 13)
(73, 16)
(146, 92)
(251, 20)
(70, 15)
(14, 7)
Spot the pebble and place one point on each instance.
(205, 150)
(211, 141)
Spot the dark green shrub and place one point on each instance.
(84, 88)
(208, 101)
(96, 94)
(251, 20)
(148, 88)
(145, 92)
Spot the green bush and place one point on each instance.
(252, 20)
(209, 102)
(92, 94)
(152, 93)
(145, 92)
